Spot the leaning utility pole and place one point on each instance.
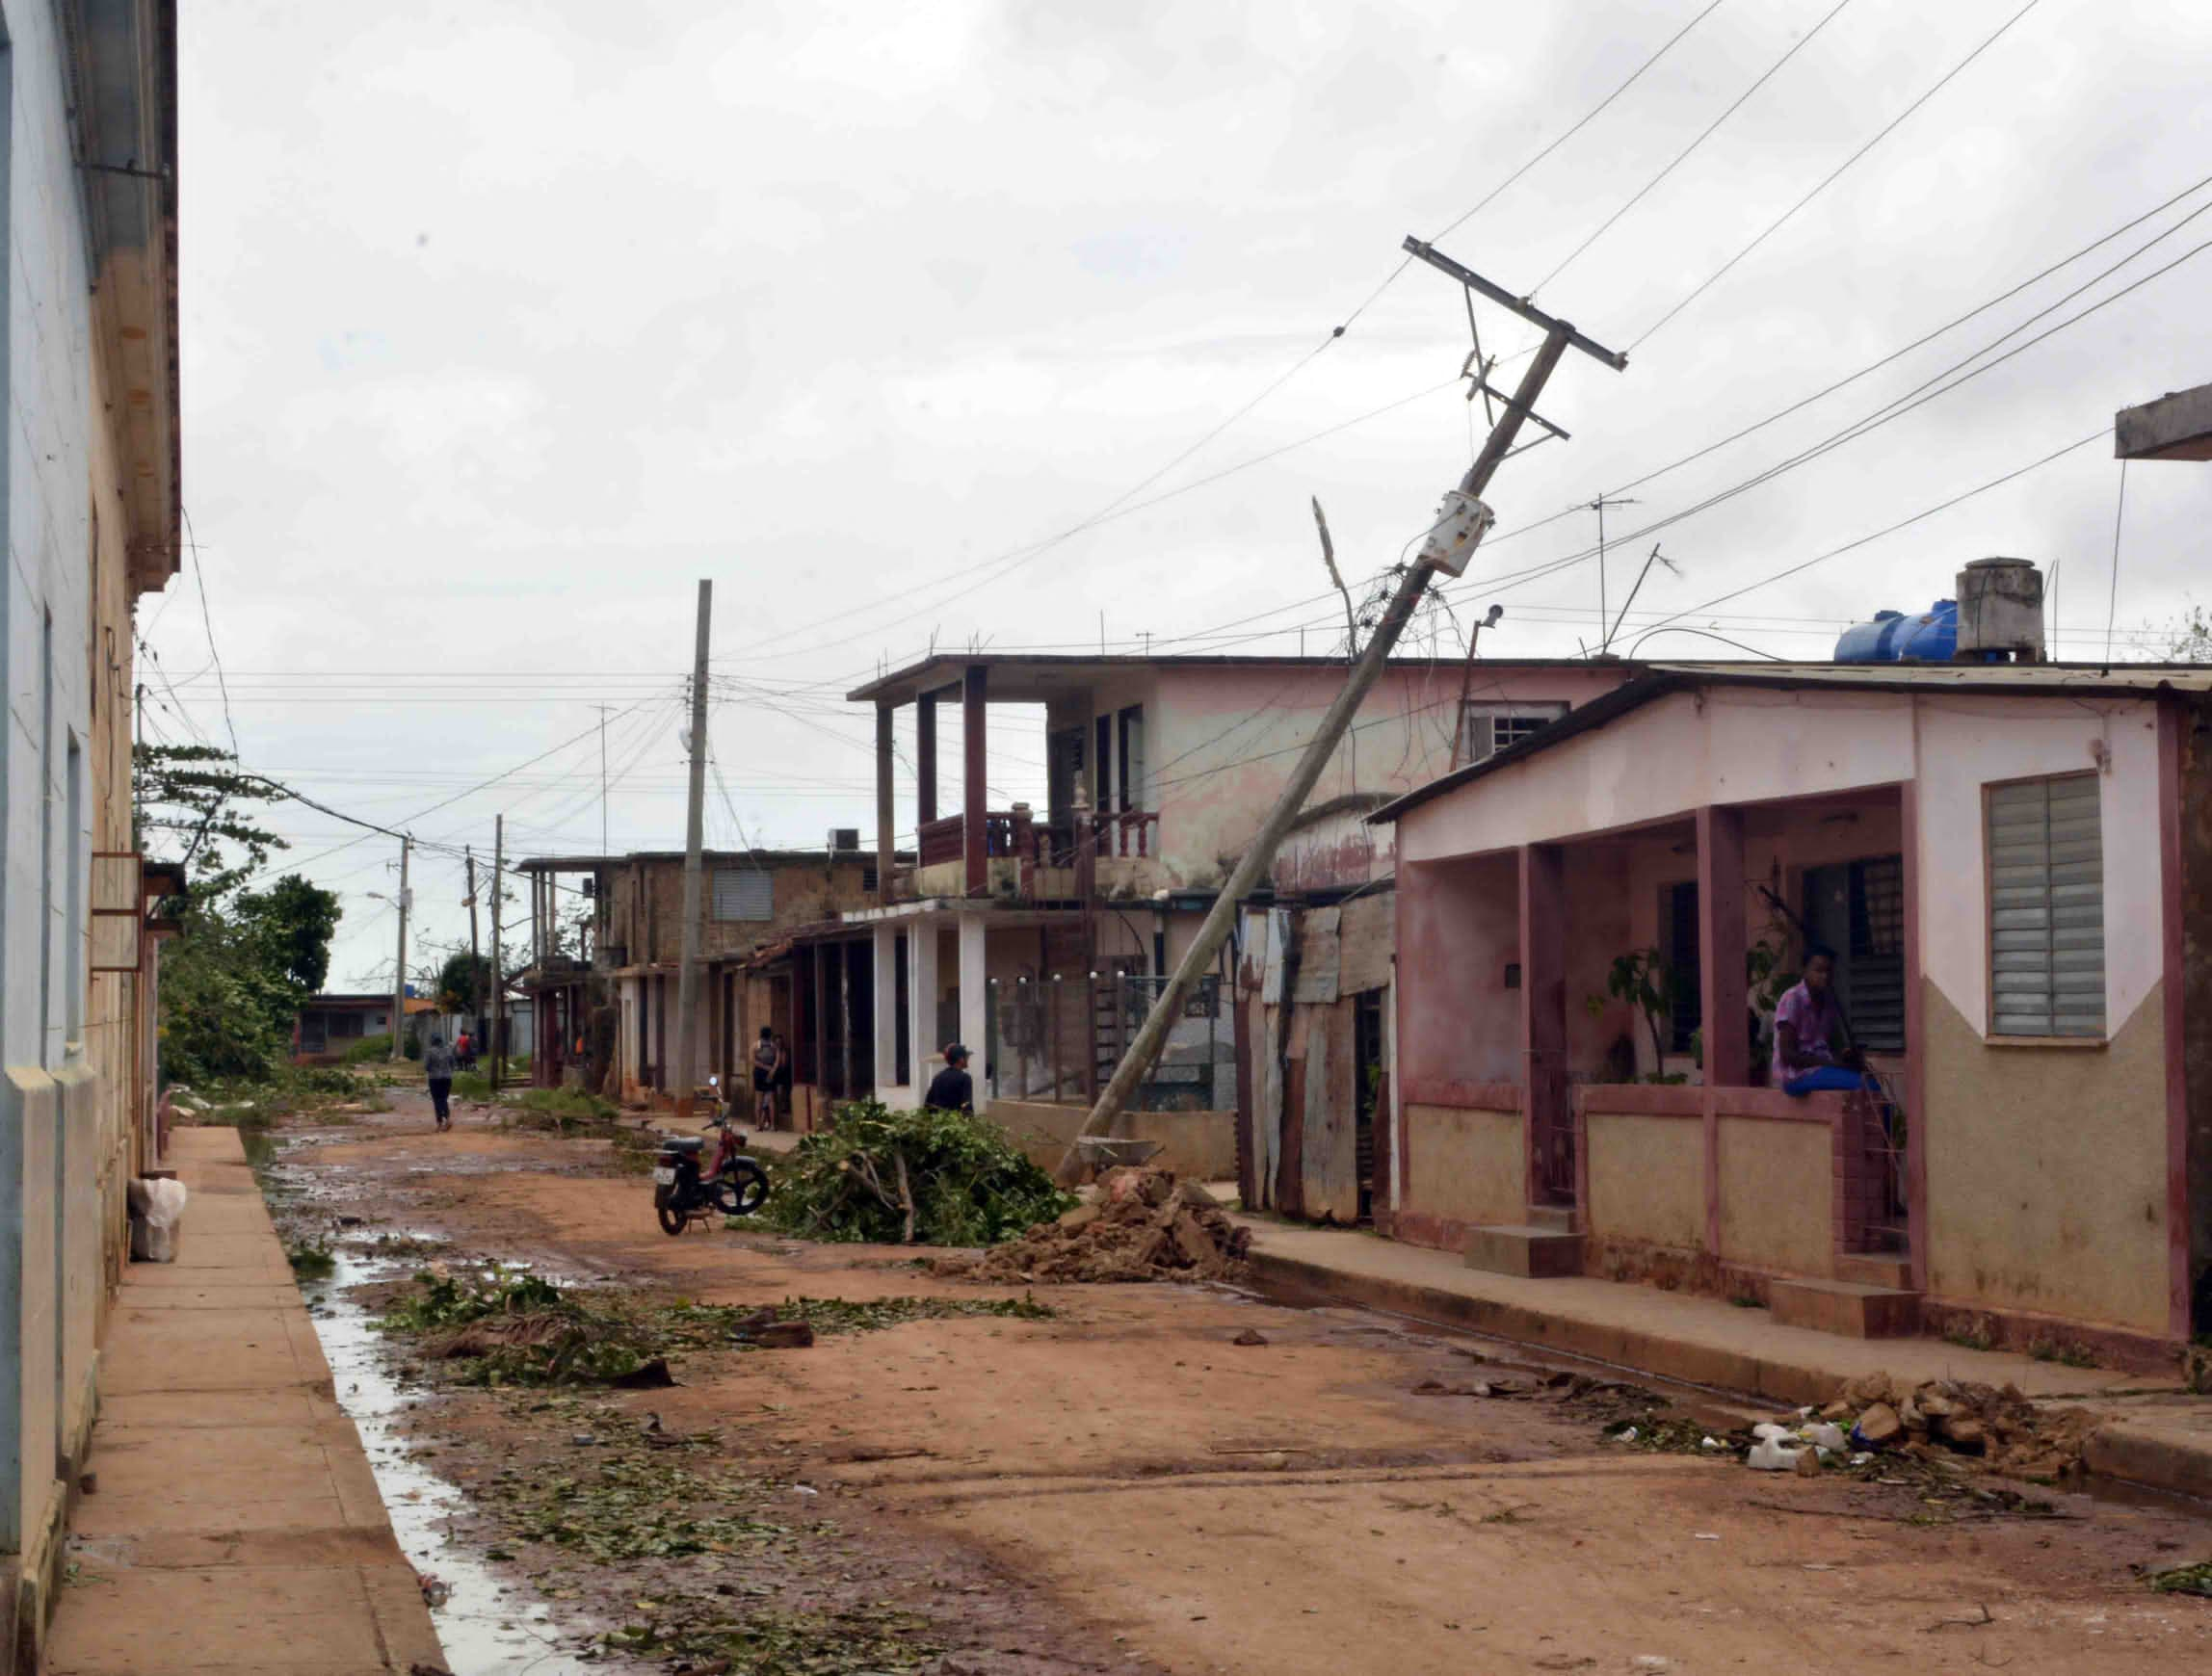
(1451, 543)
(400, 969)
(498, 978)
(686, 974)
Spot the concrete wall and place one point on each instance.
(1200, 1146)
(1221, 742)
(1647, 1179)
(643, 912)
(1778, 1188)
(1459, 929)
(2046, 1171)
(1463, 1166)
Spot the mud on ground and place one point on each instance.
(1136, 1484)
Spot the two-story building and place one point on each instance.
(1039, 937)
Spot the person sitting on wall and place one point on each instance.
(951, 1090)
(1807, 1024)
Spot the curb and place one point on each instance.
(2143, 1453)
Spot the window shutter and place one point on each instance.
(2046, 908)
(744, 893)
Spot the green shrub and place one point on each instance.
(370, 1047)
(959, 1179)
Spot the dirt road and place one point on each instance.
(1124, 1487)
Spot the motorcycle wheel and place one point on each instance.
(672, 1220)
(740, 1189)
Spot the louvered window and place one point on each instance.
(2046, 908)
(744, 893)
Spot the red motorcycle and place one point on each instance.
(684, 1193)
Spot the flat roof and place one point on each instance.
(1033, 677)
(2178, 426)
(592, 863)
(2068, 681)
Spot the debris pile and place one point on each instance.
(933, 1178)
(1932, 1421)
(1144, 1225)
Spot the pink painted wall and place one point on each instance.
(1459, 926)
(1222, 740)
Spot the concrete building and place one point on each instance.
(607, 936)
(2012, 862)
(92, 489)
(1039, 937)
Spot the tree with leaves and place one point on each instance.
(233, 979)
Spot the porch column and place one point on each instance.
(1722, 986)
(976, 796)
(886, 822)
(1545, 1113)
(922, 1004)
(975, 1003)
(886, 1010)
(925, 758)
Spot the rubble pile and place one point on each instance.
(1144, 1225)
(2009, 1433)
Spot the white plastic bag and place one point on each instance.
(153, 1232)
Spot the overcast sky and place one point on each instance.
(506, 322)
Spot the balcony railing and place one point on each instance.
(1018, 835)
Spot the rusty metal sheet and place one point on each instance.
(1294, 1046)
(1318, 955)
(1267, 1104)
(1273, 946)
(1367, 933)
(1330, 1162)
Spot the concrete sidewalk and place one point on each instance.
(2157, 1435)
(236, 1526)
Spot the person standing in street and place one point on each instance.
(438, 1066)
(767, 1065)
(951, 1090)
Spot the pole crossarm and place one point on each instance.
(1505, 299)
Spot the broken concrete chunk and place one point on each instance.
(1250, 1337)
(1879, 1426)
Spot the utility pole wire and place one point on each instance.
(1328, 558)
(1833, 175)
(1683, 156)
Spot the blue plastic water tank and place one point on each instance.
(1929, 637)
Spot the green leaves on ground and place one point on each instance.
(2184, 1579)
(936, 1178)
(511, 1328)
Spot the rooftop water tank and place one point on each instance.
(1929, 637)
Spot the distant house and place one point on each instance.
(628, 910)
(330, 1025)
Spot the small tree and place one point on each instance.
(1641, 978)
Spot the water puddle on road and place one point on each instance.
(486, 1627)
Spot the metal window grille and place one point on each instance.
(744, 893)
(1486, 729)
(2046, 907)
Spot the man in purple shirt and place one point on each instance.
(1806, 1023)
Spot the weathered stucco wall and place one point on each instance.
(1463, 1165)
(1200, 1146)
(1778, 1189)
(1459, 929)
(2046, 1171)
(1647, 1179)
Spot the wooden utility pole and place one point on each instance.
(400, 967)
(686, 974)
(475, 952)
(498, 980)
(1450, 544)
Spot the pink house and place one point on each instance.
(2015, 865)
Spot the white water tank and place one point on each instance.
(2000, 613)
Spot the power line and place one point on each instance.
(2119, 513)
(1683, 156)
(1833, 175)
(207, 621)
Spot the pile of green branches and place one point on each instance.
(934, 1178)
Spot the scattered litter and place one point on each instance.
(1711, 1443)
(1770, 1455)
(1767, 1431)
(805, 1490)
(1248, 1337)
(1437, 1388)
(1144, 1225)
(1650, 1661)
(1824, 1434)
(1628, 1434)
(1707, 1536)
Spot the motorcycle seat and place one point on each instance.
(684, 1143)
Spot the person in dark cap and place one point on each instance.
(951, 1090)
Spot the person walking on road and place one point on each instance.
(438, 1065)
